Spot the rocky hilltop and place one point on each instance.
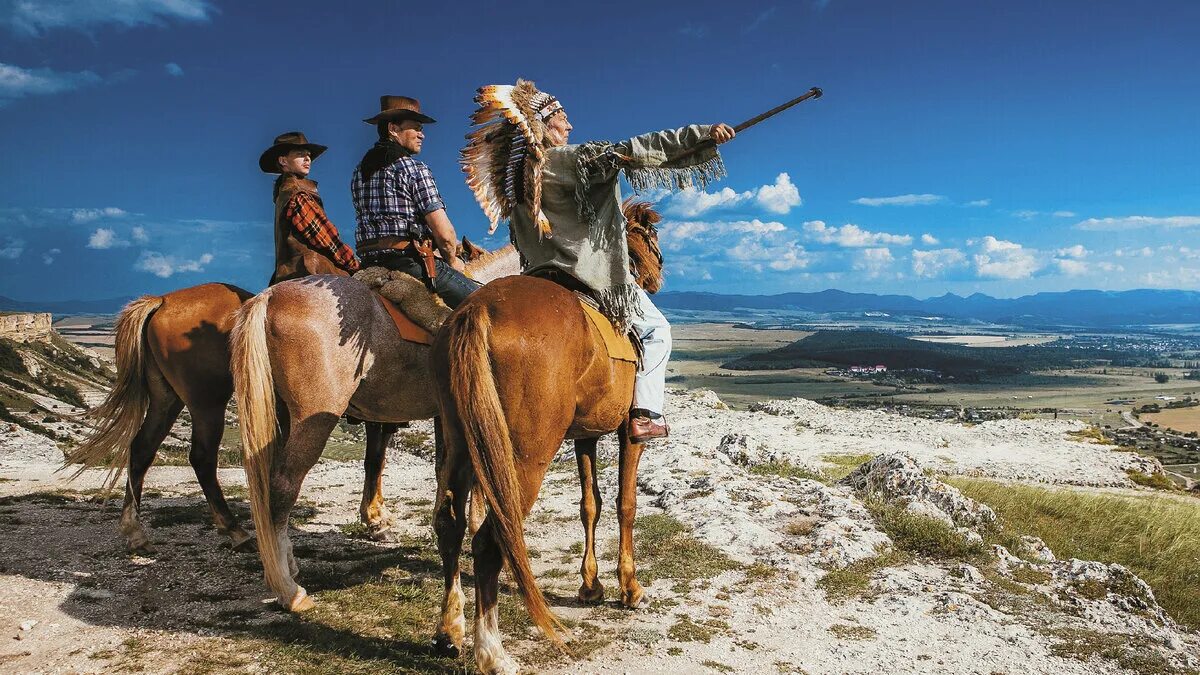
(25, 327)
(788, 538)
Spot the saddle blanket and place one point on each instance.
(619, 347)
(409, 330)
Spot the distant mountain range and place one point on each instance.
(1094, 309)
(1070, 308)
(108, 306)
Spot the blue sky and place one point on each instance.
(1002, 147)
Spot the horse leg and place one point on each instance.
(449, 521)
(591, 591)
(490, 656)
(373, 512)
(632, 593)
(164, 408)
(208, 424)
(306, 440)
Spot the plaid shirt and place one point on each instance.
(394, 201)
(307, 216)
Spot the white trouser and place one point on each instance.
(651, 380)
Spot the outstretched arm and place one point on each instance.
(314, 228)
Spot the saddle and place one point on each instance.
(417, 313)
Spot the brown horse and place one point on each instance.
(520, 368)
(173, 352)
(305, 352)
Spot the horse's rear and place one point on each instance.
(172, 351)
(318, 347)
(519, 368)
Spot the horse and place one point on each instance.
(305, 352)
(520, 368)
(311, 349)
(172, 351)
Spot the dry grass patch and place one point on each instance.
(665, 549)
(1091, 435)
(854, 581)
(1157, 481)
(922, 535)
(842, 465)
(849, 632)
(1156, 537)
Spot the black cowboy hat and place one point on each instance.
(285, 143)
(398, 109)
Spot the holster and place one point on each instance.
(423, 248)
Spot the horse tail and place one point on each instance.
(254, 384)
(473, 390)
(121, 415)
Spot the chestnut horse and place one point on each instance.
(173, 352)
(520, 368)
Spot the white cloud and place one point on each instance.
(1179, 277)
(173, 69)
(873, 261)
(852, 236)
(80, 216)
(1065, 214)
(1025, 214)
(139, 234)
(17, 82)
(749, 244)
(691, 202)
(11, 248)
(760, 19)
(1136, 223)
(1000, 259)
(49, 256)
(693, 30)
(104, 238)
(929, 240)
(778, 197)
(1143, 252)
(165, 266)
(1071, 268)
(1076, 251)
(937, 262)
(901, 200)
(35, 18)
(980, 202)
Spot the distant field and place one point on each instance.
(1182, 420)
(987, 340)
(700, 349)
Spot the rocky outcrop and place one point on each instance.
(26, 327)
(897, 478)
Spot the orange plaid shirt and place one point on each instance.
(306, 214)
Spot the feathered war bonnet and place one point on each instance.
(504, 156)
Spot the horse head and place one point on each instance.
(645, 258)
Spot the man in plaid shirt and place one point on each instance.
(401, 215)
(306, 242)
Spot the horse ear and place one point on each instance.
(470, 251)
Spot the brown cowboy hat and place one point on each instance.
(285, 143)
(398, 109)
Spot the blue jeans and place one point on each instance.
(450, 285)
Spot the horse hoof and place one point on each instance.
(302, 602)
(592, 595)
(443, 645)
(139, 545)
(247, 545)
(385, 535)
(633, 598)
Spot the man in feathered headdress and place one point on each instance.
(401, 215)
(563, 204)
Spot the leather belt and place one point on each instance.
(421, 247)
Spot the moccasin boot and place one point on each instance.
(642, 429)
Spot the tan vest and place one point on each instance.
(293, 257)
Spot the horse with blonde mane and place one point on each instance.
(172, 352)
(316, 347)
(520, 368)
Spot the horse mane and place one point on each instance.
(495, 264)
(645, 258)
